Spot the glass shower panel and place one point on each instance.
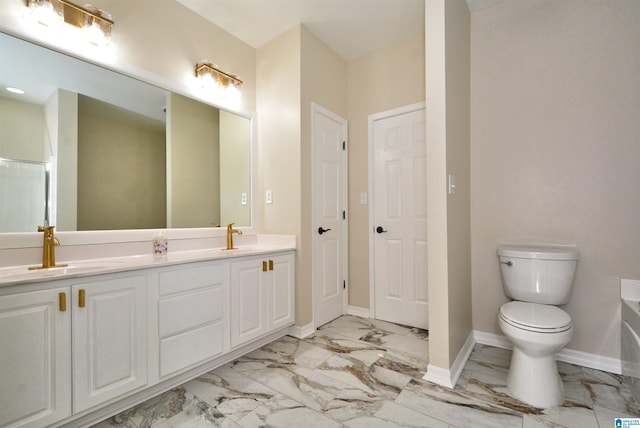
(23, 195)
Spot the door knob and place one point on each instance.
(321, 230)
(379, 229)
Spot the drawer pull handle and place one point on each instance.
(81, 298)
(264, 266)
(62, 301)
(270, 264)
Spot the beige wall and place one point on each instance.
(279, 148)
(278, 101)
(555, 106)
(119, 154)
(294, 70)
(448, 216)
(457, 33)
(193, 172)
(392, 77)
(324, 82)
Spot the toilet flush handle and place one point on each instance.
(508, 263)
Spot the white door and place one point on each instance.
(400, 216)
(329, 135)
(109, 339)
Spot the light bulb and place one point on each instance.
(97, 31)
(94, 34)
(43, 12)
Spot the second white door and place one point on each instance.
(399, 216)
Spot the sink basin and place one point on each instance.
(241, 250)
(23, 273)
(233, 252)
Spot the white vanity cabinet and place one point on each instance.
(100, 325)
(35, 358)
(109, 338)
(75, 350)
(262, 296)
(190, 315)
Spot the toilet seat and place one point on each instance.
(535, 317)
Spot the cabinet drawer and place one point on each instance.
(179, 280)
(186, 311)
(189, 348)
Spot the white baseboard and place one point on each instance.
(301, 332)
(491, 339)
(358, 311)
(449, 378)
(579, 358)
(593, 361)
(438, 376)
(462, 358)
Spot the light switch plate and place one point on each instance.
(363, 198)
(244, 198)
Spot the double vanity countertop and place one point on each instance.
(249, 246)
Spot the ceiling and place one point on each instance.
(351, 28)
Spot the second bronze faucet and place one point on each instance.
(230, 232)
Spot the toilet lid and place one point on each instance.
(535, 317)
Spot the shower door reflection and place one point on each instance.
(23, 195)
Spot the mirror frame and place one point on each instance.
(97, 237)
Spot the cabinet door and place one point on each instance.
(248, 294)
(281, 291)
(109, 339)
(35, 358)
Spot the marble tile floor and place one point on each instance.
(358, 372)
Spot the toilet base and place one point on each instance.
(535, 380)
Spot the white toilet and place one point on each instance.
(537, 278)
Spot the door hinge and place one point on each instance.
(344, 215)
(344, 285)
(344, 145)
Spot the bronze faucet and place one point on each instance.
(48, 249)
(230, 232)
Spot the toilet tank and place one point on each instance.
(538, 274)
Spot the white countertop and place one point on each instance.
(264, 244)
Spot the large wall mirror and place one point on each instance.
(123, 154)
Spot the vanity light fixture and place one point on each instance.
(95, 23)
(211, 76)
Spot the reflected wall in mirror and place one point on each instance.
(124, 154)
(200, 136)
(121, 168)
